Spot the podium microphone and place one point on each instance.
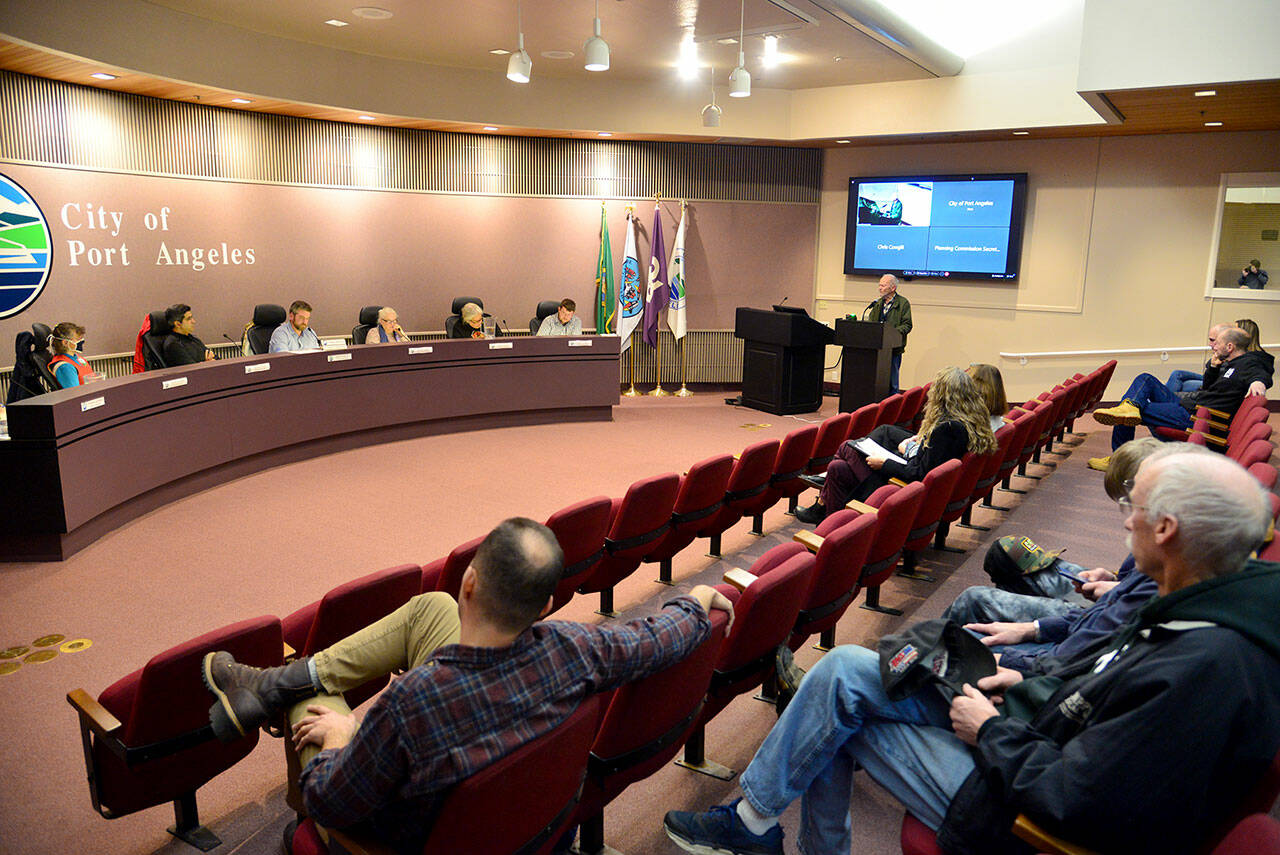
(506, 330)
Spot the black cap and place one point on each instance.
(938, 651)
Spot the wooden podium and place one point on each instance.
(867, 351)
(782, 359)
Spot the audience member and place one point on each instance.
(388, 329)
(1253, 276)
(470, 323)
(893, 309)
(563, 322)
(1189, 381)
(482, 678)
(296, 332)
(1250, 328)
(991, 387)
(180, 346)
(1149, 402)
(1147, 741)
(955, 421)
(1031, 619)
(67, 365)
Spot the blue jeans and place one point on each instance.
(1159, 406)
(1184, 381)
(895, 364)
(841, 719)
(983, 604)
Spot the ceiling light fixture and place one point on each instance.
(371, 13)
(102, 75)
(490, 128)
(604, 134)
(843, 142)
(1206, 93)
(770, 51)
(366, 118)
(334, 22)
(241, 101)
(739, 78)
(596, 49)
(519, 67)
(1213, 124)
(711, 112)
(499, 51)
(1021, 133)
(688, 58)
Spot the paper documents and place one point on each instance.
(871, 448)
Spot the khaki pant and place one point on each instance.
(404, 639)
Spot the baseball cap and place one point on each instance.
(938, 652)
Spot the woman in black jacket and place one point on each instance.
(955, 421)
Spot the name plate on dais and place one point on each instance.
(580, 342)
(91, 404)
(501, 345)
(254, 369)
(416, 350)
(339, 357)
(174, 383)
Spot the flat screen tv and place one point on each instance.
(943, 226)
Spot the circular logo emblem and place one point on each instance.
(25, 249)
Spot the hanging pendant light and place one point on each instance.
(519, 66)
(711, 112)
(596, 49)
(740, 78)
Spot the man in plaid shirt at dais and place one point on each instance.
(483, 676)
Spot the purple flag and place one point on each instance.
(659, 293)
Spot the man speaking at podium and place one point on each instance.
(892, 309)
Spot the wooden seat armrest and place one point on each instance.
(898, 482)
(738, 578)
(1208, 437)
(1022, 409)
(356, 845)
(1219, 413)
(809, 540)
(737, 456)
(1027, 829)
(93, 714)
(861, 507)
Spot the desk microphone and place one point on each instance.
(230, 339)
(784, 300)
(505, 329)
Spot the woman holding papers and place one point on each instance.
(955, 421)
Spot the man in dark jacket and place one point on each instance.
(1149, 402)
(180, 346)
(1146, 741)
(893, 309)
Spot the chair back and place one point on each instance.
(749, 478)
(153, 342)
(862, 421)
(912, 404)
(544, 309)
(537, 786)
(166, 748)
(1244, 430)
(1265, 474)
(837, 567)
(1258, 451)
(793, 456)
(580, 530)
(831, 432)
(365, 321)
(897, 513)
(636, 522)
(888, 410)
(266, 317)
(456, 564)
(939, 484)
(989, 474)
(1256, 834)
(351, 606)
(700, 496)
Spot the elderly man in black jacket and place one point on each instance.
(1146, 741)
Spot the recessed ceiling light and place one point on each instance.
(490, 128)
(1205, 93)
(1021, 133)
(499, 51)
(241, 101)
(604, 134)
(102, 75)
(366, 118)
(334, 22)
(371, 13)
(837, 59)
(557, 54)
(727, 40)
(842, 142)
(1213, 124)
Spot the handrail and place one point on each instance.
(1023, 357)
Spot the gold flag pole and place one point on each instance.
(657, 391)
(631, 390)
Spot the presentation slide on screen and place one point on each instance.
(934, 226)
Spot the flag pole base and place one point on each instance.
(658, 392)
(683, 393)
(631, 393)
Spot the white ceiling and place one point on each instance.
(644, 35)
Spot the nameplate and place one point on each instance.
(580, 342)
(174, 383)
(91, 404)
(333, 343)
(416, 350)
(501, 345)
(339, 357)
(254, 369)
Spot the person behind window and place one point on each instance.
(1253, 276)
(67, 365)
(388, 328)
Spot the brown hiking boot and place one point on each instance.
(249, 698)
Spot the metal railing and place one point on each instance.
(1115, 351)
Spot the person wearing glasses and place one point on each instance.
(388, 329)
(1149, 740)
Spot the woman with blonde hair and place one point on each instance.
(991, 387)
(956, 420)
